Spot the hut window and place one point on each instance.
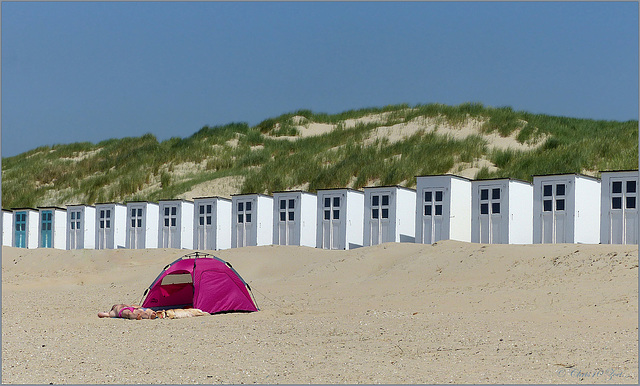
(560, 190)
(427, 196)
(385, 212)
(283, 204)
(438, 207)
(336, 213)
(631, 186)
(484, 194)
(547, 205)
(240, 206)
(208, 220)
(336, 201)
(291, 216)
(374, 213)
(385, 200)
(327, 202)
(248, 206)
(248, 217)
(484, 208)
(547, 190)
(495, 194)
(240, 218)
(375, 200)
(616, 202)
(427, 210)
(292, 204)
(209, 208)
(631, 202)
(438, 196)
(616, 187)
(283, 216)
(495, 208)
(327, 215)
(559, 204)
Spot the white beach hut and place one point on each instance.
(25, 227)
(252, 220)
(619, 204)
(443, 208)
(81, 227)
(294, 218)
(7, 228)
(176, 224)
(389, 215)
(52, 230)
(143, 219)
(111, 226)
(502, 211)
(340, 214)
(566, 209)
(212, 223)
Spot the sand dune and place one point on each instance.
(393, 313)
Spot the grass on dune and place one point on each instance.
(123, 169)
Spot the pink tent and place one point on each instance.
(199, 280)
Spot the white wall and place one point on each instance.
(59, 229)
(7, 228)
(587, 205)
(223, 224)
(406, 215)
(460, 210)
(355, 219)
(264, 215)
(308, 217)
(520, 212)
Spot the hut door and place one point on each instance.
(137, 229)
(287, 223)
(332, 222)
(205, 231)
(554, 214)
(432, 219)
(170, 229)
(379, 219)
(105, 229)
(490, 216)
(75, 230)
(245, 223)
(624, 211)
(21, 230)
(45, 228)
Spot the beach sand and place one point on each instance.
(452, 312)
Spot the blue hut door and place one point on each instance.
(21, 229)
(45, 229)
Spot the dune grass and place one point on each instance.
(142, 168)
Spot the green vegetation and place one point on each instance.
(268, 160)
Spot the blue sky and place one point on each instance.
(89, 71)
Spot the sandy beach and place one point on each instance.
(451, 312)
